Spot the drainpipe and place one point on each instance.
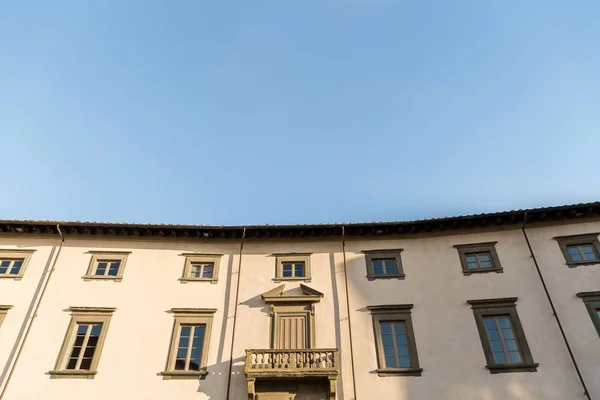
(560, 327)
(237, 293)
(348, 306)
(31, 316)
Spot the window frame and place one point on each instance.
(578, 240)
(393, 313)
(16, 254)
(488, 247)
(189, 316)
(3, 311)
(285, 258)
(79, 315)
(200, 258)
(100, 256)
(498, 307)
(374, 255)
(592, 303)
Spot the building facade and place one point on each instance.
(491, 307)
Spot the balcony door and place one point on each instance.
(292, 332)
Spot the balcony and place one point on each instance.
(274, 364)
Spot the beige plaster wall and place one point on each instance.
(448, 344)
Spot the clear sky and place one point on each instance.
(251, 112)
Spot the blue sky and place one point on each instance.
(248, 112)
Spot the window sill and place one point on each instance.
(186, 280)
(184, 374)
(282, 279)
(102, 278)
(376, 277)
(14, 277)
(482, 271)
(503, 368)
(72, 374)
(572, 264)
(400, 372)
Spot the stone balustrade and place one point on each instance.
(294, 363)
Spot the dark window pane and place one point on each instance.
(403, 351)
(574, 253)
(194, 366)
(96, 329)
(101, 268)
(208, 272)
(493, 334)
(515, 357)
(386, 327)
(588, 252)
(489, 323)
(182, 353)
(400, 340)
(183, 341)
(287, 270)
(390, 267)
(499, 358)
(82, 329)
(72, 363)
(92, 341)
(496, 346)
(388, 350)
(472, 262)
(387, 340)
(16, 267)
(5, 263)
(185, 330)
(299, 270)
(114, 269)
(75, 352)
(89, 352)
(390, 362)
(511, 345)
(180, 365)
(86, 363)
(504, 322)
(404, 362)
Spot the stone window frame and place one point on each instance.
(101, 315)
(189, 316)
(400, 312)
(282, 258)
(592, 303)
(191, 258)
(487, 247)
(100, 256)
(16, 253)
(497, 307)
(587, 238)
(3, 312)
(372, 255)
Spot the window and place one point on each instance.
(13, 263)
(580, 249)
(478, 257)
(107, 265)
(201, 267)
(3, 311)
(502, 336)
(80, 352)
(384, 264)
(395, 340)
(592, 303)
(292, 267)
(188, 353)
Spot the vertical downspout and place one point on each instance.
(348, 306)
(34, 314)
(560, 327)
(237, 293)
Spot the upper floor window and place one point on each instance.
(385, 263)
(188, 353)
(292, 267)
(108, 265)
(13, 263)
(502, 336)
(81, 349)
(592, 303)
(201, 267)
(395, 340)
(580, 249)
(478, 257)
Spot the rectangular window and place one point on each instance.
(383, 264)
(3, 311)
(502, 336)
(478, 257)
(201, 267)
(188, 353)
(592, 303)
(80, 353)
(292, 267)
(580, 249)
(13, 263)
(108, 265)
(395, 340)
